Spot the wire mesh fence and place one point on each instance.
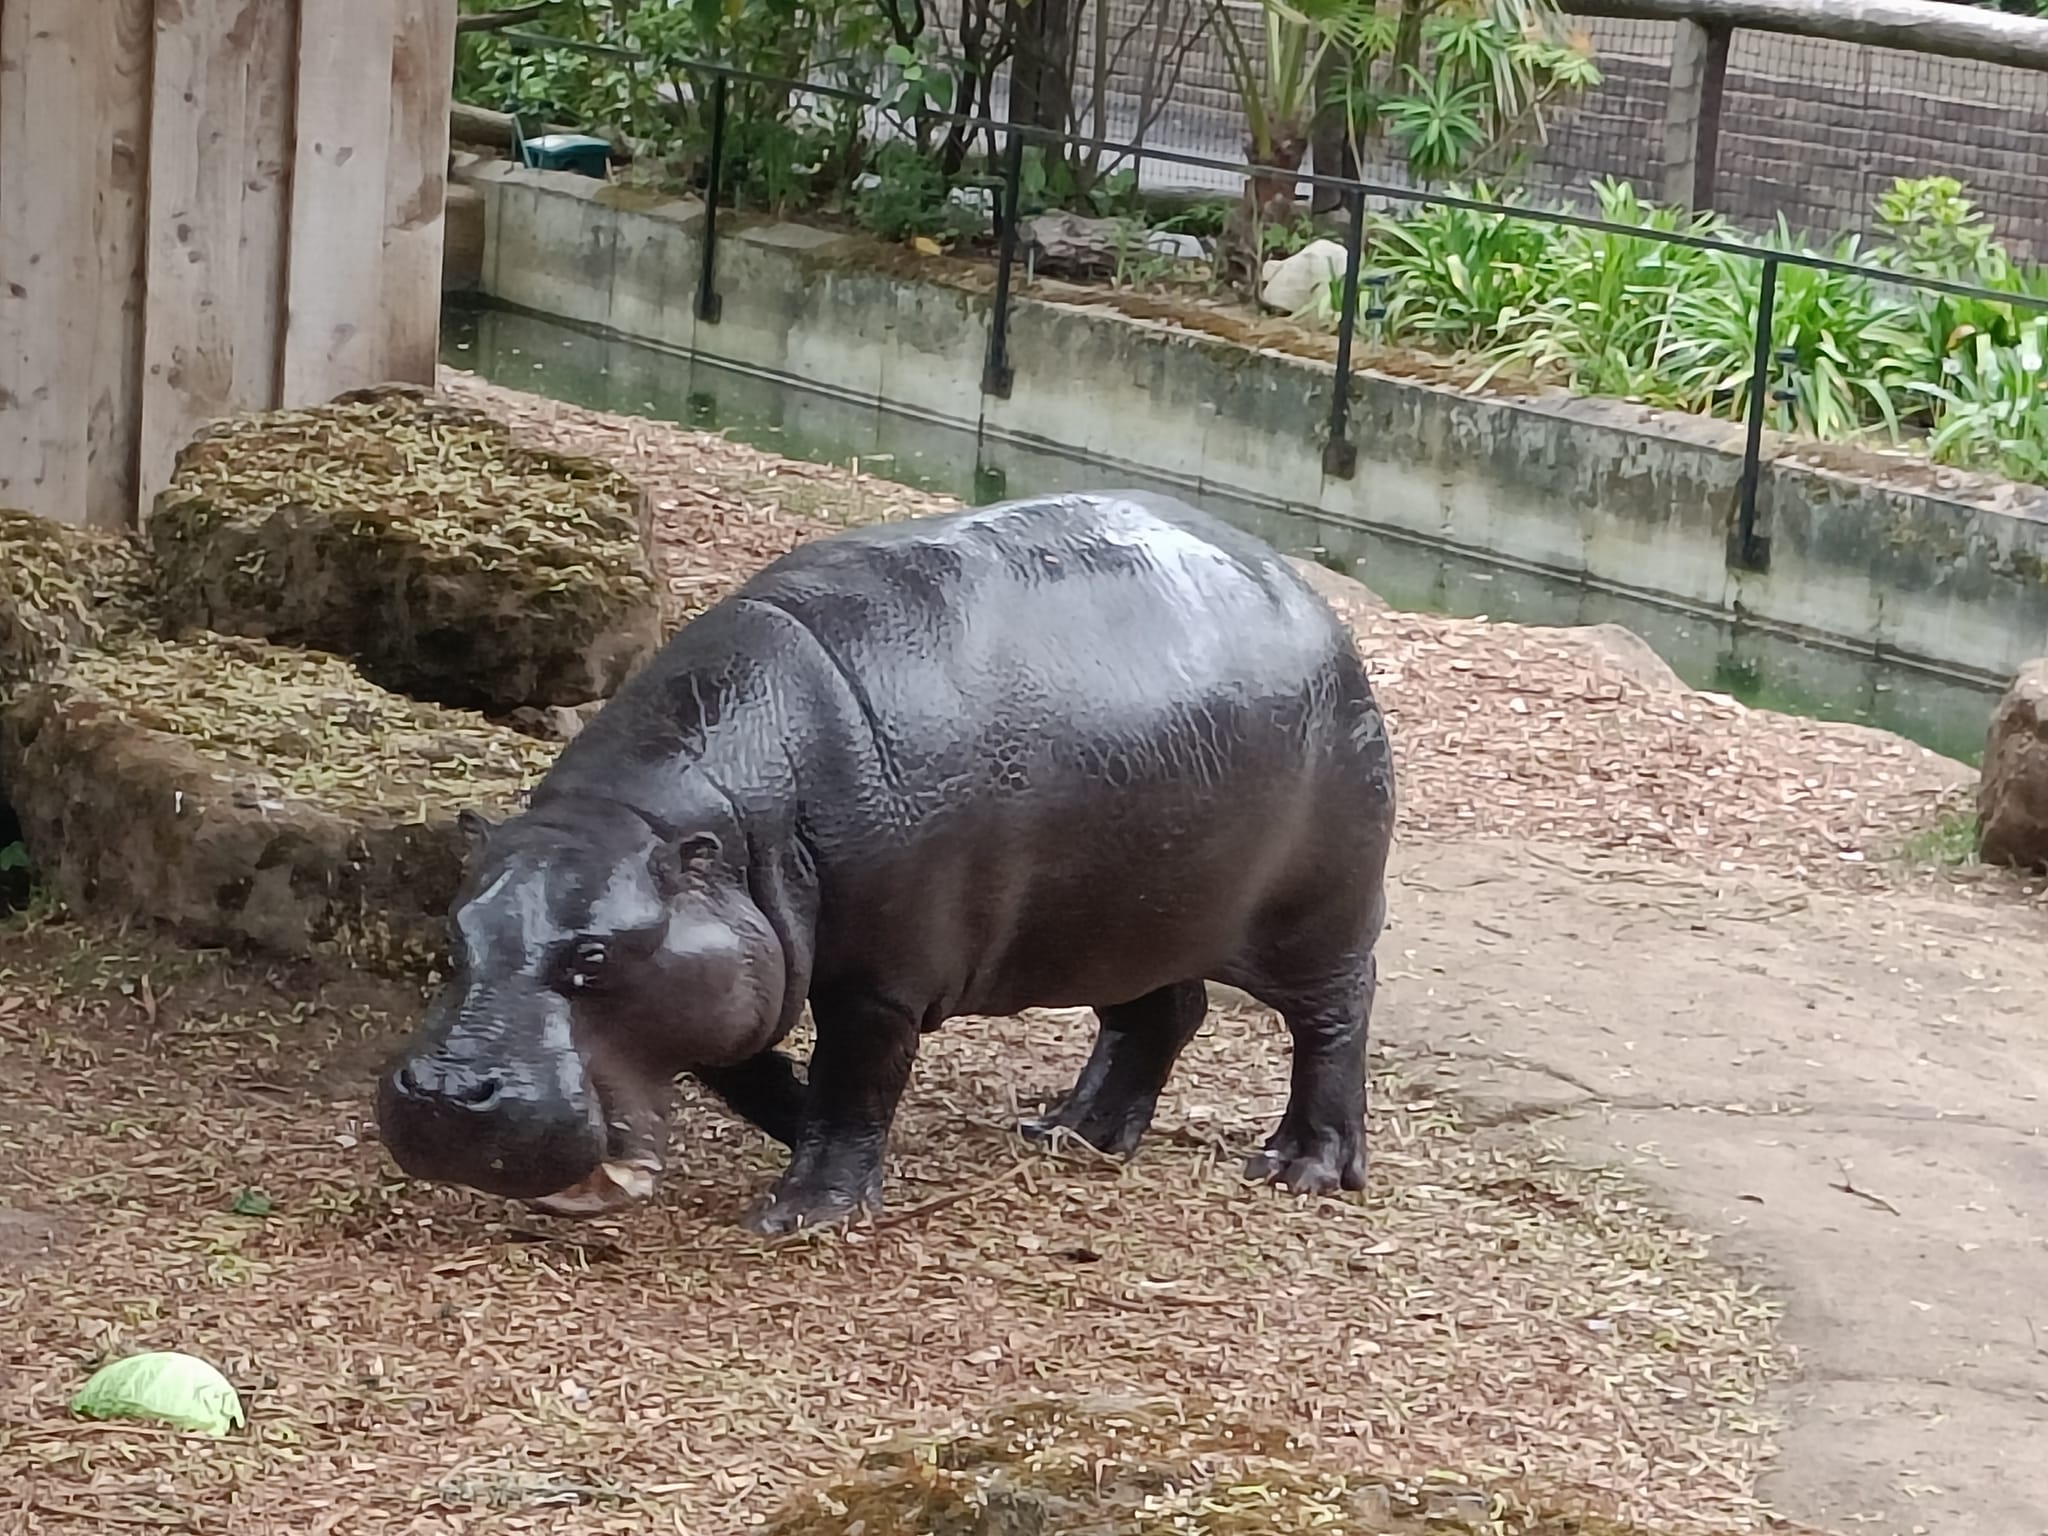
(1811, 130)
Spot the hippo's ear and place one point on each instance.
(476, 829)
(673, 858)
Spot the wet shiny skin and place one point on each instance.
(1071, 750)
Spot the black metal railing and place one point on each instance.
(1748, 548)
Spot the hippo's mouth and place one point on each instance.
(612, 1186)
(636, 1133)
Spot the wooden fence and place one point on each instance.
(207, 206)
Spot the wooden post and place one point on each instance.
(333, 328)
(1692, 114)
(49, 271)
(1917, 26)
(207, 206)
(416, 189)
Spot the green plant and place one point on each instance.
(1993, 406)
(1950, 842)
(1600, 313)
(1050, 180)
(1454, 274)
(911, 196)
(1453, 82)
(1616, 313)
(13, 857)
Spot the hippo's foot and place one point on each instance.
(1112, 1102)
(812, 1199)
(1312, 1163)
(1112, 1128)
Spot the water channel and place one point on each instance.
(583, 367)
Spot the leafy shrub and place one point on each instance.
(1613, 313)
(911, 196)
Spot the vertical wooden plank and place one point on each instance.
(121, 236)
(195, 176)
(48, 265)
(333, 337)
(273, 31)
(422, 82)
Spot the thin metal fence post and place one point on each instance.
(709, 305)
(996, 374)
(1752, 552)
(1340, 454)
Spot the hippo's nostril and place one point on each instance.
(424, 1081)
(473, 1092)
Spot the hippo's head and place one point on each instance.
(594, 955)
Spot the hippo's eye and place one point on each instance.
(585, 962)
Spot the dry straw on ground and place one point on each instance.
(301, 724)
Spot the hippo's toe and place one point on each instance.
(1307, 1167)
(809, 1208)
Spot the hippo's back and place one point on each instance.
(1095, 618)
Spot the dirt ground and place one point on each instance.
(1841, 1090)
(1845, 1092)
(1706, 1192)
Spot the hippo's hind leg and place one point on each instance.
(1320, 1145)
(1112, 1102)
(859, 1068)
(763, 1090)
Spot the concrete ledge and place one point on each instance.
(1929, 566)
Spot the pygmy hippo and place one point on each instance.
(1062, 751)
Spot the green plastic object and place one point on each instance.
(581, 153)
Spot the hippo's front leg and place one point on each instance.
(763, 1090)
(859, 1067)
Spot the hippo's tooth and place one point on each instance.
(635, 1179)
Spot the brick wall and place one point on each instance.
(1816, 130)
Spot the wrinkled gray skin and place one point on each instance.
(1063, 751)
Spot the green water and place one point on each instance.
(583, 367)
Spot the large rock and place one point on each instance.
(2012, 797)
(64, 590)
(419, 539)
(1300, 284)
(240, 794)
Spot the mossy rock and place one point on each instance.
(419, 539)
(245, 795)
(1105, 1467)
(64, 590)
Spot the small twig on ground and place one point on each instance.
(1848, 1187)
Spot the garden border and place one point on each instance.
(1749, 549)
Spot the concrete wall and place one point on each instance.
(1947, 572)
